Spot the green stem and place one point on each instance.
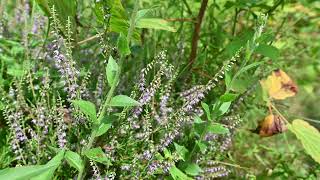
(112, 89)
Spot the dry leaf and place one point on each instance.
(271, 125)
(279, 85)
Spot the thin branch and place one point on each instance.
(187, 6)
(182, 19)
(196, 33)
(89, 39)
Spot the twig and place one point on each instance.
(188, 7)
(88, 39)
(196, 33)
(181, 19)
(235, 19)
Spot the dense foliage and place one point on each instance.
(152, 89)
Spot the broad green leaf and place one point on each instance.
(119, 21)
(143, 13)
(309, 137)
(217, 129)
(74, 160)
(268, 51)
(123, 45)
(154, 23)
(198, 120)
(167, 153)
(181, 150)
(193, 169)
(202, 146)
(111, 70)
(87, 108)
(206, 110)
(224, 108)
(239, 42)
(55, 163)
(227, 79)
(24, 172)
(35, 172)
(123, 101)
(177, 174)
(96, 154)
(104, 126)
(228, 97)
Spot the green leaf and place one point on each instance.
(36, 172)
(44, 6)
(111, 70)
(167, 153)
(309, 137)
(87, 108)
(143, 13)
(104, 126)
(217, 129)
(268, 51)
(123, 45)
(193, 169)
(227, 79)
(154, 23)
(181, 150)
(202, 146)
(24, 172)
(74, 160)
(96, 154)
(224, 108)
(177, 174)
(55, 163)
(123, 101)
(228, 97)
(206, 109)
(246, 68)
(198, 120)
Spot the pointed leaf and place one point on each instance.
(193, 169)
(123, 45)
(181, 150)
(96, 154)
(154, 23)
(104, 126)
(123, 100)
(54, 163)
(87, 108)
(224, 108)
(74, 160)
(217, 129)
(177, 174)
(111, 70)
(206, 109)
(268, 51)
(33, 172)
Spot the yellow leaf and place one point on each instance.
(279, 85)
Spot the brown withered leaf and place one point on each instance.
(271, 125)
(279, 85)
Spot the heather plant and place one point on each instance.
(102, 90)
